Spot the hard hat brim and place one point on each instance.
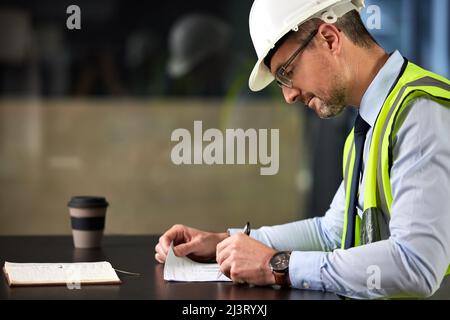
(260, 77)
(177, 69)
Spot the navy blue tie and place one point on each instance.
(361, 128)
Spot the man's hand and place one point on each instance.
(196, 244)
(243, 259)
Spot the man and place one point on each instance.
(386, 233)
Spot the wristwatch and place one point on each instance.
(279, 264)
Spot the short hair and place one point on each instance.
(350, 23)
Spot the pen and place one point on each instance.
(246, 232)
(247, 229)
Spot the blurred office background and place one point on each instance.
(91, 112)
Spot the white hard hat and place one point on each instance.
(270, 20)
(193, 39)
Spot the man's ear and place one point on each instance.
(330, 37)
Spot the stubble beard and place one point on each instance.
(335, 104)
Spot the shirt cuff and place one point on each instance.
(232, 232)
(254, 234)
(305, 270)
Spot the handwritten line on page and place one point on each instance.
(185, 270)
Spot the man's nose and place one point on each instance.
(291, 95)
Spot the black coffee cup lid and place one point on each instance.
(87, 202)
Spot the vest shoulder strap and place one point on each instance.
(423, 84)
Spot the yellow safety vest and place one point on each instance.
(414, 82)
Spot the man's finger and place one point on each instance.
(158, 248)
(222, 255)
(184, 249)
(173, 234)
(159, 258)
(225, 268)
(160, 252)
(223, 244)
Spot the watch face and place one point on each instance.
(280, 262)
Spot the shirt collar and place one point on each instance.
(378, 90)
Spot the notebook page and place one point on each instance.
(53, 273)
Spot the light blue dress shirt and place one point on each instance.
(413, 261)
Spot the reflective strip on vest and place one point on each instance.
(406, 94)
(413, 83)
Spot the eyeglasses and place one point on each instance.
(281, 75)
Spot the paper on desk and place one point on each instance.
(28, 274)
(184, 269)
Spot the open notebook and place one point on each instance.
(42, 274)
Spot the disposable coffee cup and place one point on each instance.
(87, 215)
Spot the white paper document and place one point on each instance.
(184, 269)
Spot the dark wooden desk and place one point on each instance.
(136, 254)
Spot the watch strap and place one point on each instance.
(282, 279)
